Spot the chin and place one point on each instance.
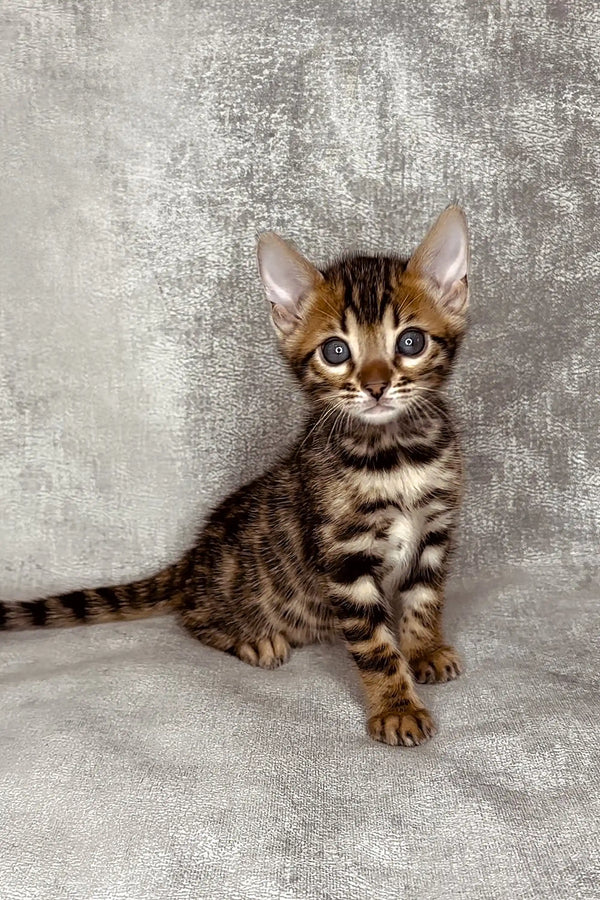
(375, 416)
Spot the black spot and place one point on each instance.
(154, 592)
(358, 632)
(3, 616)
(189, 601)
(371, 506)
(372, 615)
(439, 370)
(133, 597)
(109, 598)
(450, 345)
(420, 616)
(424, 573)
(412, 579)
(38, 610)
(77, 603)
(375, 662)
(348, 569)
(451, 350)
(352, 529)
(434, 539)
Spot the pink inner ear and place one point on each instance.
(456, 297)
(287, 276)
(443, 255)
(450, 261)
(283, 318)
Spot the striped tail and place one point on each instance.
(149, 597)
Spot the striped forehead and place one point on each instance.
(373, 340)
(367, 286)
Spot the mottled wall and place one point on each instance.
(145, 145)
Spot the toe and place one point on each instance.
(248, 654)
(406, 728)
(268, 653)
(439, 665)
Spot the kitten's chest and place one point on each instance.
(387, 513)
(399, 544)
(419, 500)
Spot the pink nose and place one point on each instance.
(376, 388)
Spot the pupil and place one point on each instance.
(408, 342)
(338, 349)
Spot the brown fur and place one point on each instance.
(349, 529)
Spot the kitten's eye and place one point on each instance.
(411, 342)
(335, 351)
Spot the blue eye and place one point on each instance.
(411, 342)
(335, 351)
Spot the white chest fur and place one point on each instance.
(400, 546)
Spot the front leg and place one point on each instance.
(422, 597)
(396, 714)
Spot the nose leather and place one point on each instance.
(376, 388)
(375, 377)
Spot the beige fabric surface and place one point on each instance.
(144, 147)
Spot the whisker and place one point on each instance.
(321, 418)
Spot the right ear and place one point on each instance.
(287, 278)
(442, 258)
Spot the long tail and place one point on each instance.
(149, 597)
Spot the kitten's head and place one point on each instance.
(373, 336)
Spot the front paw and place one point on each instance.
(405, 727)
(442, 664)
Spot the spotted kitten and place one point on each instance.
(349, 533)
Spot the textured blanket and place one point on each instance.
(144, 145)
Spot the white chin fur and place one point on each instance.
(376, 416)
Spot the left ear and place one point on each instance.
(288, 278)
(443, 258)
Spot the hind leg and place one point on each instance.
(267, 650)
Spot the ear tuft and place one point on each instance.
(287, 278)
(443, 258)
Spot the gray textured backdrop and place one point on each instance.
(144, 146)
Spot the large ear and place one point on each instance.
(287, 277)
(443, 258)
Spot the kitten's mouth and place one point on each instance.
(379, 413)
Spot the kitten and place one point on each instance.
(349, 533)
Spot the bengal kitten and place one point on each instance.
(349, 533)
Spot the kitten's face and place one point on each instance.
(371, 343)
(371, 339)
